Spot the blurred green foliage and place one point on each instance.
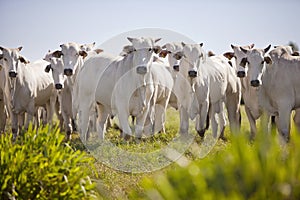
(265, 169)
(39, 165)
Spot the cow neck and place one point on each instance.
(79, 65)
(21, 73)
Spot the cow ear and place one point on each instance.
(183, 44)
(296, 53)
(57, 54)
(19, 48)
(157, 49)
(251, 46)
(47, 69)
(164, 46)
(243, 63)
(23, 60)
(232, 46)
(163, 53)
(130, 39)
(98, 50)
(228, 55)
(83, 53)
(244, 50)
(201, 44)
(1, 48)
(210, 53)
(157, 39)
(267, 49)
(268, 60)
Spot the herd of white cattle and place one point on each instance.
(90, 86)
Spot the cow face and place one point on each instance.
(256, 64)
(193, 56)
(175, 54)
(72, 57)
(87, 47)
(13, 60)
(143, 52)
(239, 55)
(57, 67)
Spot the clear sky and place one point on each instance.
(40, 25)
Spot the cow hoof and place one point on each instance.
(222, 137)
(68, 136)
(127, 137)
(201, 133)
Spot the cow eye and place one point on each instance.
(150, 49)
(262, 62)
(177, 57)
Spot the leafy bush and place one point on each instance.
(41, 166)
(265, 169)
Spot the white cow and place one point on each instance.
(277, 78)
(173, 52)
(163, 86)
(63, 85)
(33, 87)
(123, 87)
(249, 94)
(6, 86)
(200, 85)
(233, 92)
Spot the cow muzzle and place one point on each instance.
(58, 86)
(192, 73)
(241, 74)
(12, 74)
(255, 83)
(176, 68)
(68, 72)
(141, 70)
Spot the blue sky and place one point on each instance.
(42, 25)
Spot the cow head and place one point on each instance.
(87, 47)
(194, 55)
(13, 60)
(57, 67)
(175, 54)
(256, 61)
(238, 54)
(143, 52)
(72, 57)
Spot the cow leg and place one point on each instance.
(160, 114)
(252, 123)
(184, 120)
(284, 122)
(58, 112)
(50, 107)
(103, 116)
(203, 119)
(297, 119)
(67, 124)
(2, 114)
(222, 121)
(84, 114)
(214, 123)
(233, 111)
(14, 125)
(141, 121)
